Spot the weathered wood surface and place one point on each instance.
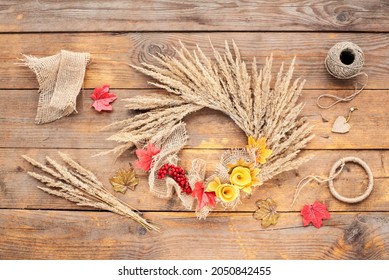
(111, 54)
(207, 128)
(35, 225)
(193, 15)
(97, 235)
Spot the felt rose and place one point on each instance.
(244, 175)
(213, 185)
(225, 192)
(240, 176)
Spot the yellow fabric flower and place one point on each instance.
(240, 162)
(213, 185)
(240, 176)
(225, 192)
(244, 178)
(259, 146)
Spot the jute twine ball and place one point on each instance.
(344, 60)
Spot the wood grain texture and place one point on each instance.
(206, 128)
(93, 235)
(17, 189)
(35, 225)
(111, 54)
(199, 15)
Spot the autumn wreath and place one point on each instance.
(269, 116)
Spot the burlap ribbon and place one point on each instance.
(170, 146)
(197, 174)
(60, 79)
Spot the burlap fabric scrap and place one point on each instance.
(170, 146)
(60, 79)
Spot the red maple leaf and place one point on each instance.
(203, 197)
(102, 97)
(145, 157)
(315, 213)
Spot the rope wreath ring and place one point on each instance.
(340, 163)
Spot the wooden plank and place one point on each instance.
(17, 189)
(168, 15)
(369, 124)
(111, 54)
(93, 235)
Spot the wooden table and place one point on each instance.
(35, 225)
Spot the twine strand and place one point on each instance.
(336, 169)
(344, 61)
(340, 99)
(316, 178)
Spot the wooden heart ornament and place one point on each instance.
(341, 125)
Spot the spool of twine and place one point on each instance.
(344, 61)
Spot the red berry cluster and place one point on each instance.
(177, 174)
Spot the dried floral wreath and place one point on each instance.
(268, 116)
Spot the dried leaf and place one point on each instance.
(315, 213)
(102, 97)
(267, 212)
(123, 180)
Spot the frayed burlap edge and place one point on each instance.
(170, 147)
(60, 79)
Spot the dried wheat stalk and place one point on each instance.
(194, 81)
(81, 186)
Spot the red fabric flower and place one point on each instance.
(145, 157)
(315, 213)
(102, 97)
(203, 197)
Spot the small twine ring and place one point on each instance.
(333, 171)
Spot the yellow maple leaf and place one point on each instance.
(259, 146)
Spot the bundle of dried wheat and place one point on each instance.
(82, 187)
(268, 115)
